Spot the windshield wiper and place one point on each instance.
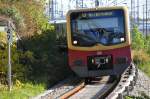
(88, 44)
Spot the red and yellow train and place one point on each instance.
(98, 41)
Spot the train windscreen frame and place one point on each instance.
(90, 28)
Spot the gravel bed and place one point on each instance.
(59, 89)
(57, 92)
(142, 85)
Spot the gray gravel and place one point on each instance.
(142, 85)
(59, 89)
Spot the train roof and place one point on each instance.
(125, 8)
(57, 21)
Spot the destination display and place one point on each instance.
(96, 14)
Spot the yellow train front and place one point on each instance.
(98, 41)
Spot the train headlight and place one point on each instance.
(122, 39)
(107, 60)
(75, 42)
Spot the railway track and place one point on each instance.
(96, 89)
(99, 88)
(60, 88)
(105, 87)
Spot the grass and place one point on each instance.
(145, 68)
(143, 96)
(142, 60)
(25, 91)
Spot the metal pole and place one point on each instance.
(134, 11)
(76, 4)
(68, 5)
(82, 3)
(55, 9)
(49, 10)
(9, 67)
(143, 20)
(146, 18)
(138, 9)
(96, 3)
(131, 14)
(116, 2)
(148, 14)
(149, 19)
(9, 57)
(52, 9)
(62, 9)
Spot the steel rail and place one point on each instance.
(72, 91)
(113, 91)
(116, 89)
(94, 90)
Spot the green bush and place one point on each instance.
(137, 39)
(45, 63)
(147, 44)
(141, 50)
(17, 68)
(36, 59)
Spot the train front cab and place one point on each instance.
(98, 59)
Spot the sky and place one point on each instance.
(64, 5)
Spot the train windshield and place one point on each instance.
(103, 27)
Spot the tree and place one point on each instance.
(28, 16)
